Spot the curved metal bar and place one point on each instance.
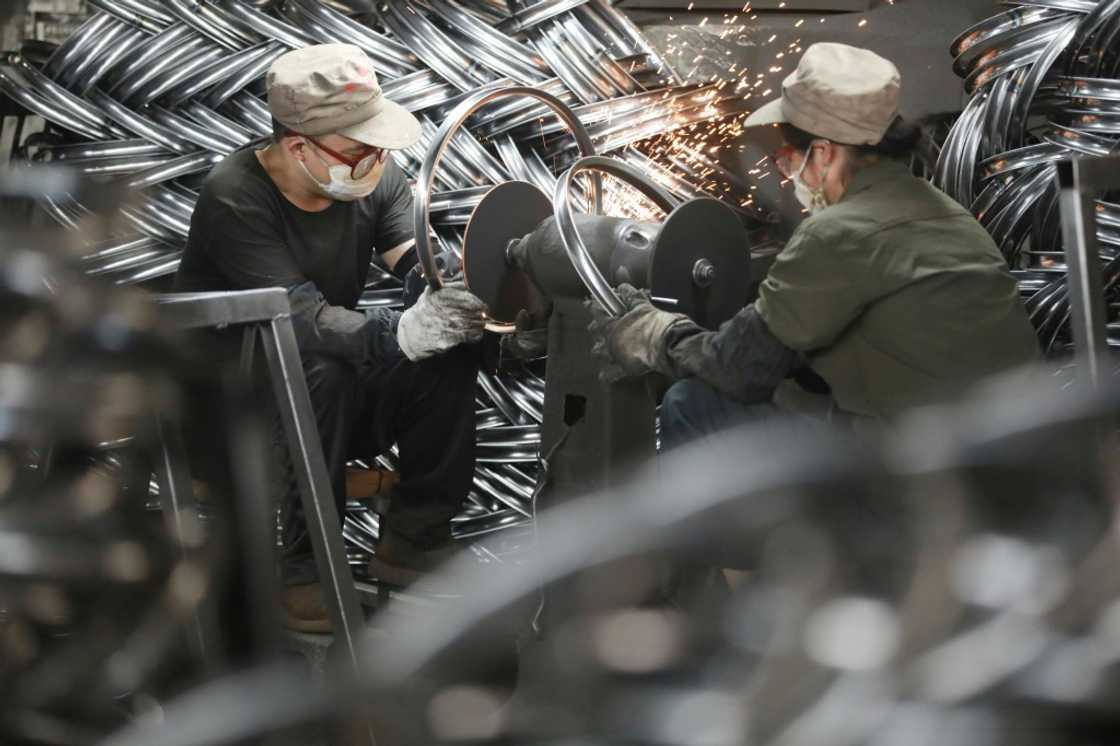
(218, 124)
(1022, 53)
(56, 95)
(537, 13)
(50, 110)
(250, 112)
(1039, 70)
(186, 69)
(125, 44)
(180, 52)
(425, 180)
(153, 49)
(238, 81)
(222, 69)
(1028, 157)
(146, 15)
(187, 164)
(265, 25)
(138, 124)
(991, 33)
(433, 47)
(80, 50)
(501, 53)
(585, 267)
(218, 142)
(393, 58)
(209, 22)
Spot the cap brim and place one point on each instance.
(393, 128)
(770, 113)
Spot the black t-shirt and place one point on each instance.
(245, 234)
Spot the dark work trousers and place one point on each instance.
(426, 408)
(692, 410)
(868, 530)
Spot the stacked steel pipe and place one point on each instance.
(1044, 85)
(156, 93)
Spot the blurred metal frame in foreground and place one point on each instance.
(953, 582)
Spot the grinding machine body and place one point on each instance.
(526, 250)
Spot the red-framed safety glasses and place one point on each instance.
(360, 165)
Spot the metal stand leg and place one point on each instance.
(1079, 182)
(248, 350)
(175, 494)
(323, 523)
(267, 310)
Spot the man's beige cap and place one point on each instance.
(840, 93)
(332, 89)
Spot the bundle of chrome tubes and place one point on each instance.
(155, 93)
(1044, 81)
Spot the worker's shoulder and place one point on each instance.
(237, 177)
(892, 205)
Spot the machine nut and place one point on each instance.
(703, 273)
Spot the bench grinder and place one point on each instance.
(520, 244)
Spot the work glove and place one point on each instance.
(415, 281)
(529, 340)
(440, 320)
(632, 344)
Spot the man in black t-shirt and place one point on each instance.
(306, 213)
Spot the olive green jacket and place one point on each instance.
(896, 296)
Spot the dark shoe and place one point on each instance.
(397, 561)
(304, 609)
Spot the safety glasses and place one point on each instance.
(782, 159)
(360, 165)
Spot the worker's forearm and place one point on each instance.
(743, 359)
(355, 336)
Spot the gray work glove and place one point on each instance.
(634, 343)
(529, 340)
(440, 320)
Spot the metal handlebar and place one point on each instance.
(577, 252)
(426, 178)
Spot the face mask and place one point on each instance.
(342, 187)
(811, 199)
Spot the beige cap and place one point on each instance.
(840, 93)
(332, 89)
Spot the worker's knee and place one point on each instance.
(690, 409)
(452, 372)
(327, 373)
(687, 401)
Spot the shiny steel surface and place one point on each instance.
(1044, 79)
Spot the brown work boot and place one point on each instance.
(397, 561)
(304, 609)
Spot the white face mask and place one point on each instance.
(342, 187)
(813, 200)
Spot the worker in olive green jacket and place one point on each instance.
(890, 291)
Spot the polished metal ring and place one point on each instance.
(426, 178)
(585, 267)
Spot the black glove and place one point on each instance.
(450, 266)
(632, 344)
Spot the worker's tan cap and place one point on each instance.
(332, 89)
(840, 93)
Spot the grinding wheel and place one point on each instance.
(702, 262)
(508, 211)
